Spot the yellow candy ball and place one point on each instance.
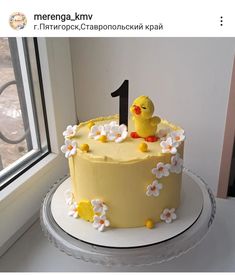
(143, 147)
(84, 147)
(90, 124)
(103, 138)
(149, 224)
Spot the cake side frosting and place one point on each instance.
(125, 176)
(136, 185)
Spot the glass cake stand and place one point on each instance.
(144, 255)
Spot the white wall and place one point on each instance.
(187, 78)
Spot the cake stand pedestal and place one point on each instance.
(129, 256)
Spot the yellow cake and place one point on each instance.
(129, 183)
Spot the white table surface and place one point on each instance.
(33, 252)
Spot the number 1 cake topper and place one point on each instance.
(123, 93)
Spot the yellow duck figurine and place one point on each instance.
(145, 125)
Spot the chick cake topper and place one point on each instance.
(142, 110)
(145, 124)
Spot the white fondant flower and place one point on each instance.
(108, 126)
(162, 133)
(96, 132)
(168, 215)
(177, 136)
(117, 133)
(69, 148)
(169, 146)
(161, 170)
(99, 206)
(100, 222)
(153, 189)
(176, 164)
(73, 211)
(70, 131)
(69, 197)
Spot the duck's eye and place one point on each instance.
(143, 107)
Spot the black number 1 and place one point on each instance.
(122, 92)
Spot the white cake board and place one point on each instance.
(188, 212)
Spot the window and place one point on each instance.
(23, 197)
(23, 126)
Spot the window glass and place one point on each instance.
(23, 131)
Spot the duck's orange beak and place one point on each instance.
(137, 110)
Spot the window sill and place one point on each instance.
(26, 181)
(22, 199)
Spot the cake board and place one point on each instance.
(124, 246)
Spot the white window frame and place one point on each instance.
(20, 202)
(28, 95)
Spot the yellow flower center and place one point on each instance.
(98, 133)
(169, 147)
(70, 147)
(118, 135)
(160, 169)
(101, 222)
(168, 215)
(153, 188)
(177, 138)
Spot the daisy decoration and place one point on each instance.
(69, 148)
(168, 215)
(178, 136)
(161, 170)
(100, 222)
(117, 133)
(153, 189)
(73, 211)
(176, 164)
(96, 132)
(99, 206)
(70, 131)
(169, 146)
